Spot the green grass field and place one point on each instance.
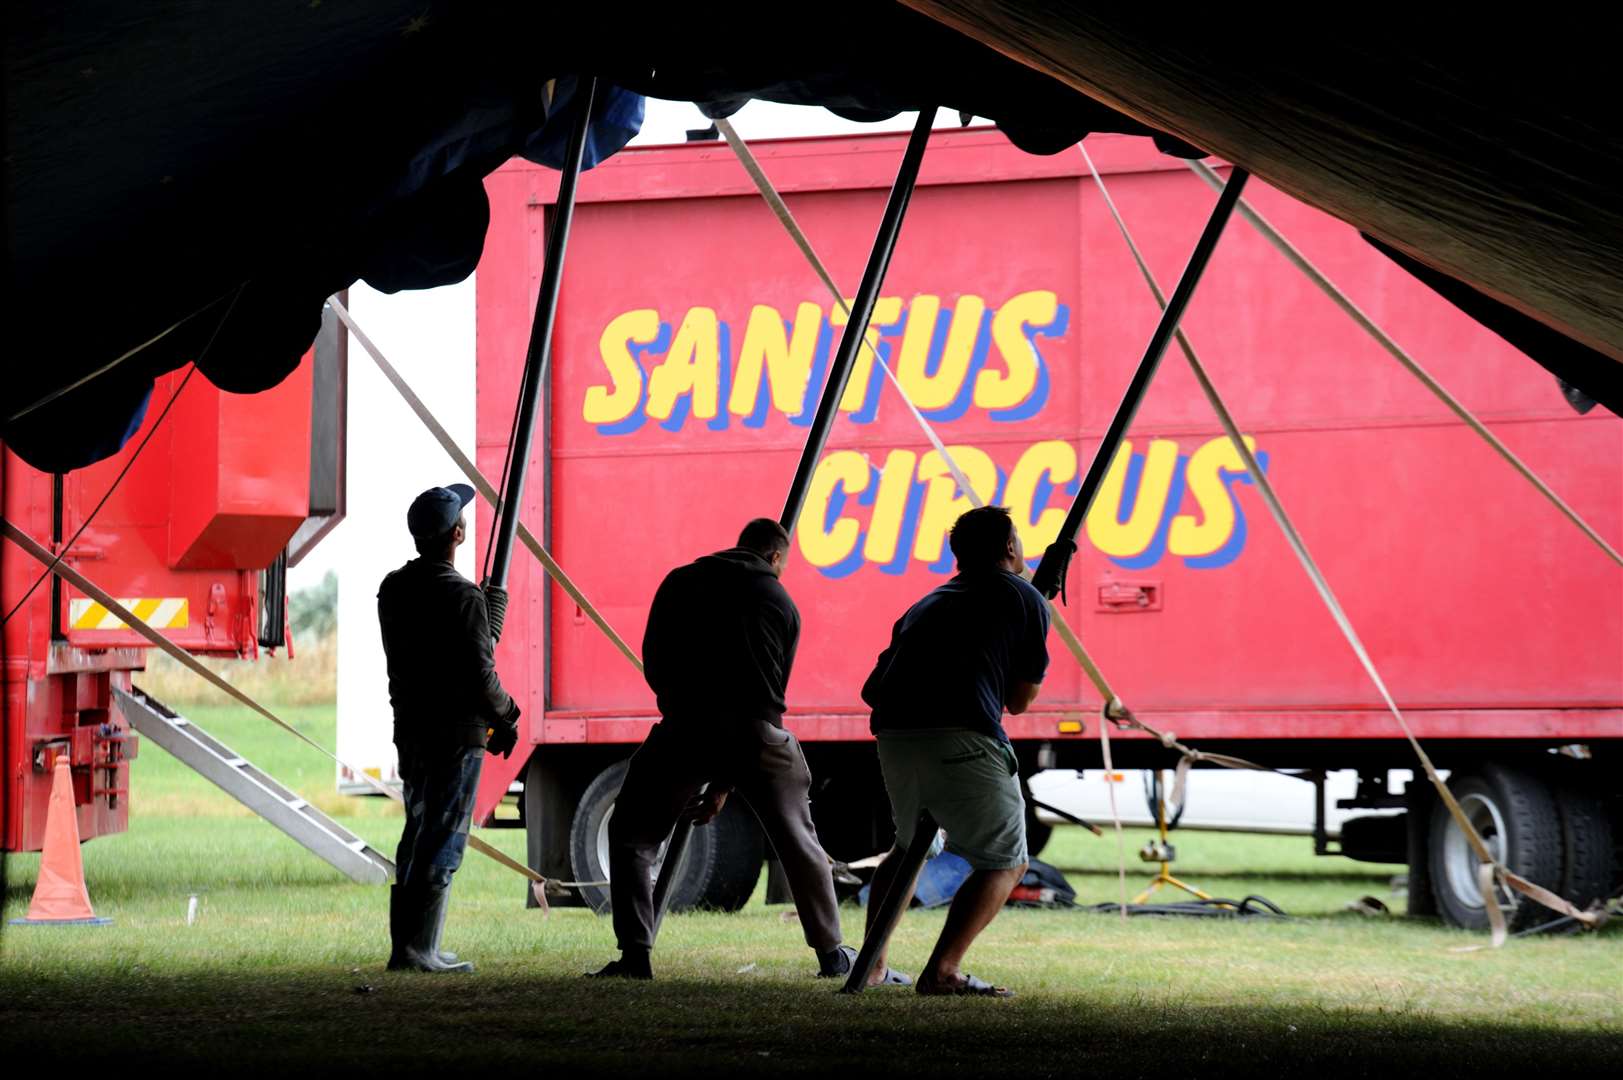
(283, 968)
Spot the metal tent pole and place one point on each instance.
(535, 361)
(856, 328)
(1050, 575)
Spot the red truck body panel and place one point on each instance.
(216, 494)
(688, 358)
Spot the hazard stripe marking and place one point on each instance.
(160, 612)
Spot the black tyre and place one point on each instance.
(1587, 849)
(720, 870)
(1515, 813)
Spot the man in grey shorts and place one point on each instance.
(957, 659)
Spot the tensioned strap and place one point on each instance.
(1301, 262)
(1277, 510)
(477, 479)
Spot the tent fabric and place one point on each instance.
(167, 155)
(617, 119)
(1573, 363)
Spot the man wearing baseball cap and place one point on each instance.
(449, 708)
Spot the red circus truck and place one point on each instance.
(691, 346)
(689, 353)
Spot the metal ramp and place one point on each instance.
(255, 789)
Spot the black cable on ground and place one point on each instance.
(1216, 908)
(1544, 928)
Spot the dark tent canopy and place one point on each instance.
(167, 162)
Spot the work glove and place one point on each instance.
(503, 735)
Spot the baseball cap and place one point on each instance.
(434, 511)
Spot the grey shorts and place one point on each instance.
(965, 780)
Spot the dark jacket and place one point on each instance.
(436, 639)
(720, 641)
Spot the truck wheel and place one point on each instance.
(1586, 845)
(1515, 813)
(723, 860)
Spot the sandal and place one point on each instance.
(969, 986)
(893, 978)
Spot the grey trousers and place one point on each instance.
(766, 768)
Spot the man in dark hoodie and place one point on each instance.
(720, 642)
(449, 708)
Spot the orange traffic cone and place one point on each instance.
(59, 895)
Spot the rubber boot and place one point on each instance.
(421, 914)
(399, 937)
